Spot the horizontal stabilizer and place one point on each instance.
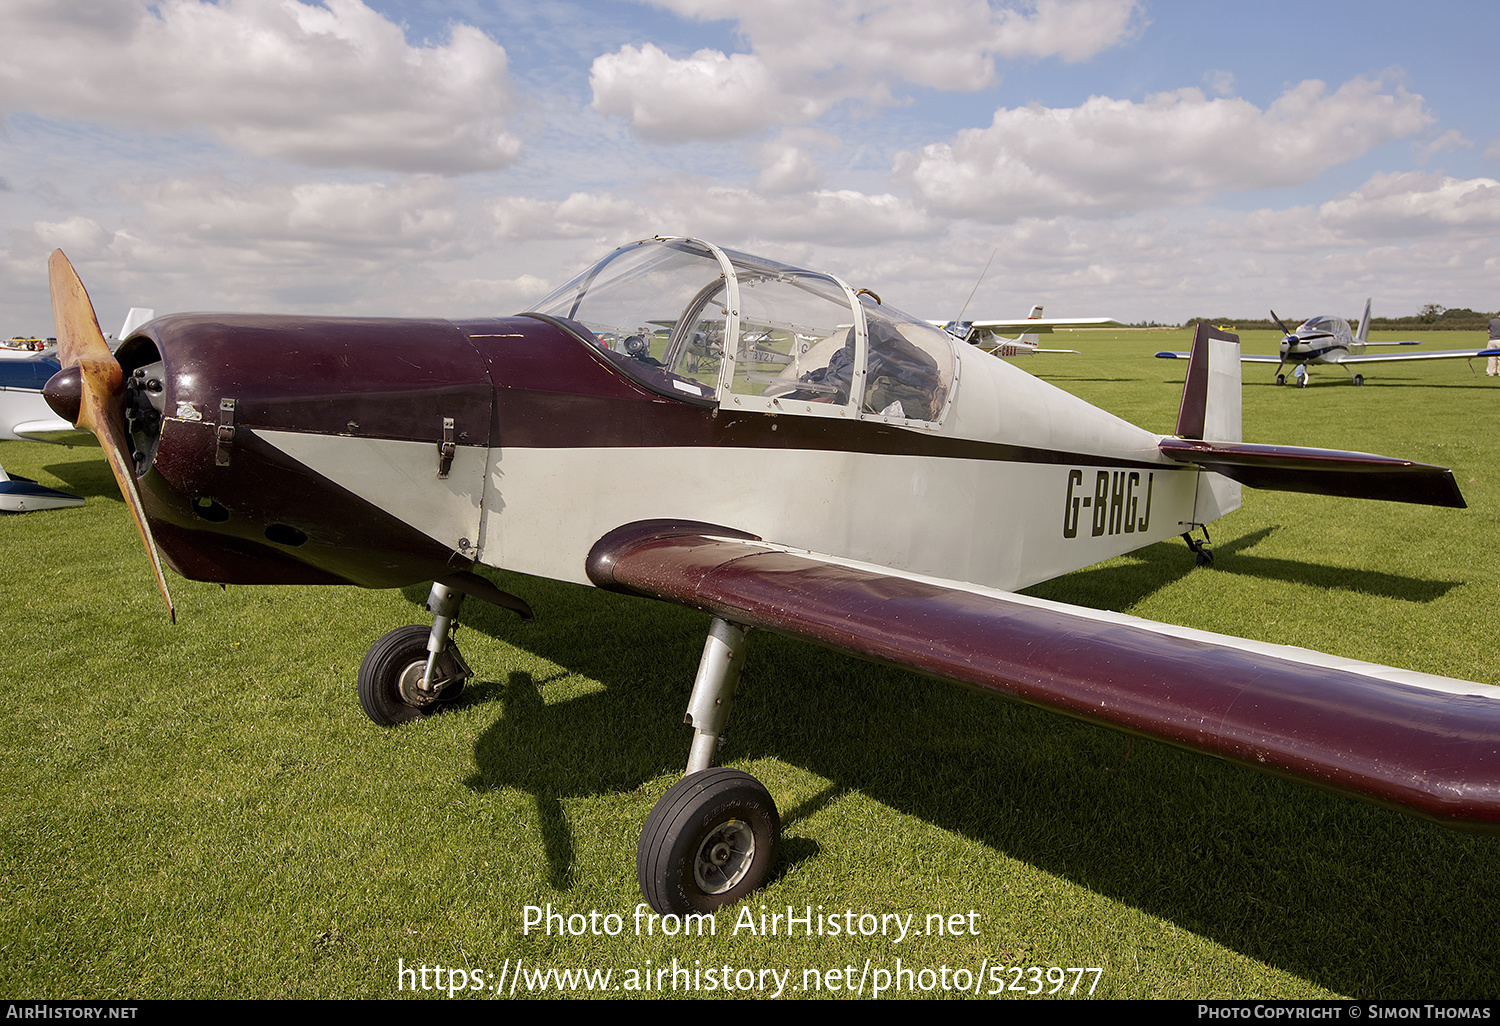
(23, 495)
(1353, 475)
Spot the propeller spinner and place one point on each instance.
(90, 391)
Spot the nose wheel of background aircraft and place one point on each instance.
(710, 841)
(1281, 379)
(1359, 379)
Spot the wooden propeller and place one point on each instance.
(90, 390)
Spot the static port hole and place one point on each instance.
(207, 509)
(285, 534)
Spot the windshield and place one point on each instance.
(693, 321)
(1317, 324)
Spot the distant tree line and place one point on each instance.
(1432, 317)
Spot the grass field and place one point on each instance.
(203, 811)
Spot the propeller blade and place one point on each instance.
(1288, 334)
(98, 383)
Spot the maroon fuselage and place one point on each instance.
(228, 507)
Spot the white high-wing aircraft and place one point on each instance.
(986, 334)
(24, 414)
(1326, 339)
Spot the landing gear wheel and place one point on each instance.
(1302, 381)
(710, 841)
(1359, 379)
(391, 673)
(1201, 552)
(1281, 379)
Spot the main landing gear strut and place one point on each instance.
(712, 837)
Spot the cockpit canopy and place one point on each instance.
(695, 322)
(1323, 325)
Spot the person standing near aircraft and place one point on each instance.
(1494, 363)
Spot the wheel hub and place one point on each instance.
(409, 684)
(724, 857)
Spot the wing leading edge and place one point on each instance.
(1424, 744)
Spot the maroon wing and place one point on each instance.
(1423, 744)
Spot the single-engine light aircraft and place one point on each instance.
(1326, 339)
(759, 441)
(986, 334)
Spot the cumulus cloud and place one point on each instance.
(580, 215)
(788, 166)
(335, 85)
(314, 220)
(1447, 142)
(706, 96)
(808, 55)
(833, 217)
(1413, 205)
(1110, 156)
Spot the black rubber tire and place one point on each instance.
(380, 675)
(707, 820)
(1281, 379)
(1359, 379)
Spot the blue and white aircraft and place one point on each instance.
(25, 415)
(1328, 340)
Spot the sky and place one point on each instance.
(1128, 158)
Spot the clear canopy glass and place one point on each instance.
(690, 320)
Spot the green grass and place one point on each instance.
(203, 811)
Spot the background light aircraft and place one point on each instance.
(986, 334)
(24, 414)
(1327, 339)
(838, 493)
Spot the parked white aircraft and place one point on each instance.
(986, 334)
(1326, 339)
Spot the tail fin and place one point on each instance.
(1210, 408)
(1036, 312)
(1210, 411)
(137, 316)
(1364, 326)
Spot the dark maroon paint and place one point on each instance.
(1429, 753)
(1354, 475)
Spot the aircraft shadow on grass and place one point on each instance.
(1135, 577)
(89, 478)
(1279, 872)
